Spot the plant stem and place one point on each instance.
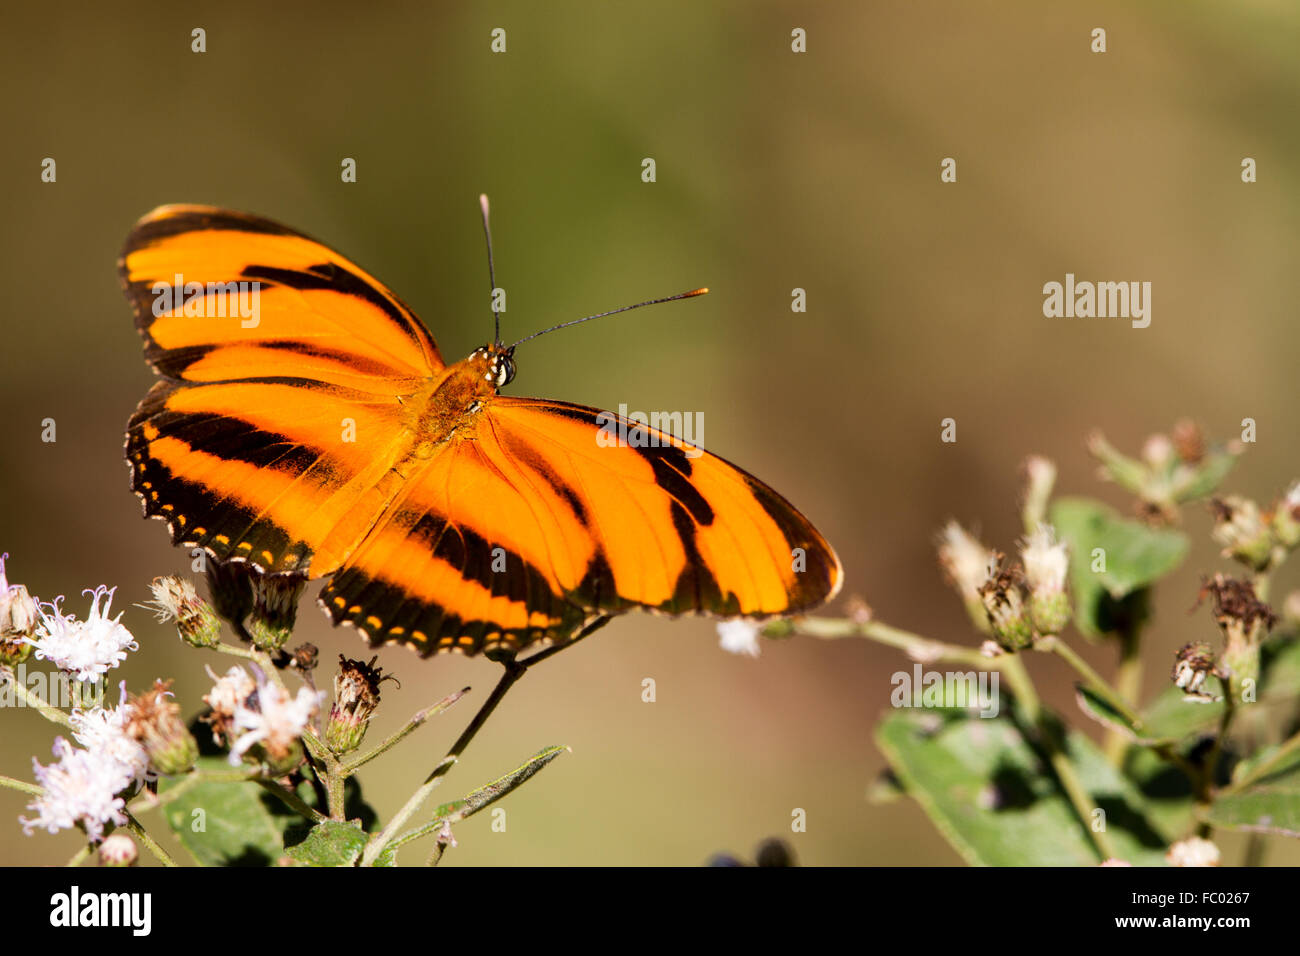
(29, 699)
(80, 856)
(1288, 747)
(1094, 680)
(514, 670)
(147, 841)
(20, 785)
(914, 645)
(415, 722)
(1128, 685)
(290, 799)
(260, 658)
(1023, 687)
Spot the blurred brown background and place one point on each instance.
(775, 171)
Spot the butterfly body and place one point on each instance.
(327, 438)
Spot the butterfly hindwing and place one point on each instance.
(565, 526)
(284, 367)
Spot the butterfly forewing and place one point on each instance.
(284, 370)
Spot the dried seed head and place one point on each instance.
(1002, 595)
(1235, 606)
(1192, 665)
(356, 697)
(156, 723)
(175, 599)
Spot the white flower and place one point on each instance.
(103, 731)
(230, 691)
(1046, 561)
(738, 637)
(228, 694)
(272, 717)
(1194, 851)
(85, 649)
(82, 787)
(964, 560)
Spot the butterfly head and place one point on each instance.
(497, 363)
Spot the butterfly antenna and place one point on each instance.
(492, 274)
(600, 315)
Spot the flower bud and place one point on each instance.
(1003, 600)
(965, 562)
(18, 619)
(1245, 621)
(1243, 532)
(275, 609)
(1286, 518)
(1192, 666)
(1040, 478)
(174, 599)
(356, 695)
(118, 849)
(156, 723)
(1194, 851)
(1046, 563)
(1189, 441)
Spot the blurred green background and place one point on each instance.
(775, 171)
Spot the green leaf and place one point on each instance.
(1270, 806)
(230, 823)
(458, 810)
(1173, 716)
(994, 797)
(1135, 557)
(1166, 792)
(1101, 710)
(331, 843)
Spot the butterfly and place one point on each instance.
(305, 424)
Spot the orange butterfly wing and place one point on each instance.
(562, 528)
(299, 441)
(243, 447)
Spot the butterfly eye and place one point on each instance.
(504, 367)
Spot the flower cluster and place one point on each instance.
(250, 713)
(84, 786)
(1016, 604)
